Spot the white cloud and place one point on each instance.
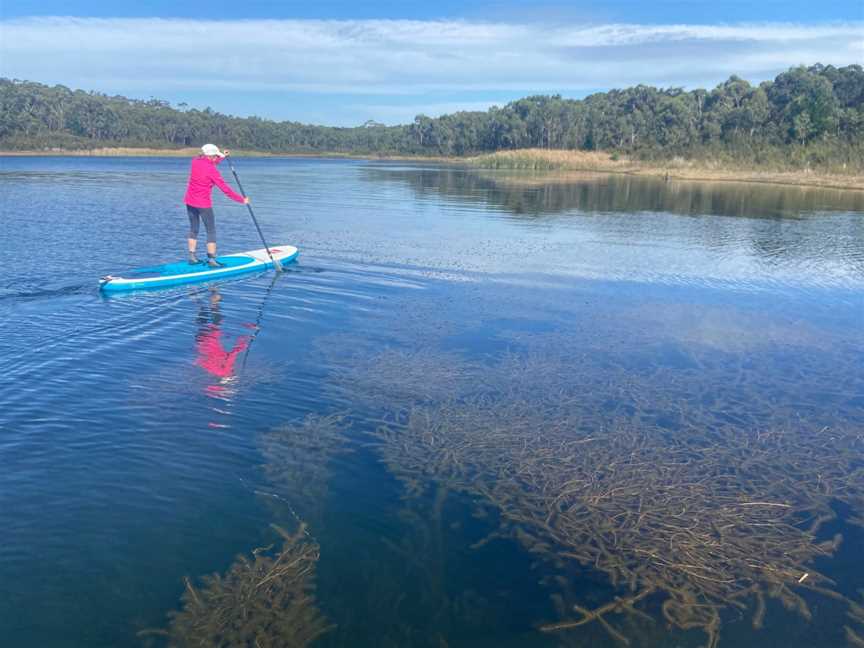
(390, 57)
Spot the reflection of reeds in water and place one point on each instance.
(693, 523)
(266, 601)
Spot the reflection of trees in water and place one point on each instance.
(694, 488)
(413, 581)
(765, 233)
(526, 193)
(387, 587)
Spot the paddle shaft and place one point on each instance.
(276, 264)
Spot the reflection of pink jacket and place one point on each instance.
(202, 176)
(212, 356)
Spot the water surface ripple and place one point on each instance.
(136, 431)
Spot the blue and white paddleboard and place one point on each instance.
(174, 274)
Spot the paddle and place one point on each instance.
(276, 263)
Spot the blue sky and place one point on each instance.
(641, 11)
(341, 63)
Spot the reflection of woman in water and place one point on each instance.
(213, 357)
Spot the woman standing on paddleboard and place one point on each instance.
(199, 205)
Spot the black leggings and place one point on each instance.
(195, 216)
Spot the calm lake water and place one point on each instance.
(489, 396)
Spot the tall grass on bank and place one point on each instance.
(552, 160)
(797, 168)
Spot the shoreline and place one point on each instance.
(554, 164)
(191, 152)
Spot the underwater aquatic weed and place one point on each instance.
(700, 523)
(267, 601)
(690, 506)
(297, 460)
(263, 602)
(399, 375)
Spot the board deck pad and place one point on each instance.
(182, 272)
(184, 267)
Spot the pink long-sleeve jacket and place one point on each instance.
(202, 176)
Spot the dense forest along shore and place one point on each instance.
(806, 122)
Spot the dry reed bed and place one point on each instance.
(677, 168)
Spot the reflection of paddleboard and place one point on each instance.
(173, 274)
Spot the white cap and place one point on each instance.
(211, 149)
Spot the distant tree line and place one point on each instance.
(818, 109)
